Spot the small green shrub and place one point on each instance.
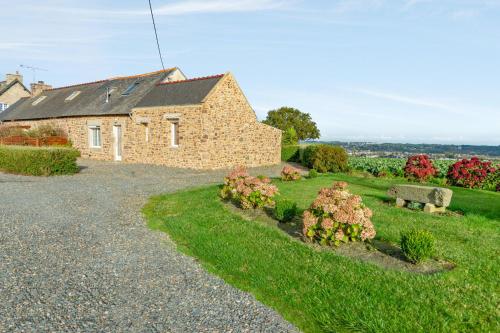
(413, 205)
(285, 210)
(326, 158)
(290, 153)
(313, 173)
(418, 245)
(38, 161)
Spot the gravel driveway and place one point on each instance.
(75, 256)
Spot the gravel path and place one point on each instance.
(75, 256)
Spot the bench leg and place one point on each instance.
(430, 208)
(400, 202)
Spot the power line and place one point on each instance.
(156, 34)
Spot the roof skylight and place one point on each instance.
(131, 88)
(73, 95)
(41, 98)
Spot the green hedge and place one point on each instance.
(290, 153)
(325, 158)
(35, 161)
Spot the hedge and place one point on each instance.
(290, 153)
(325, 158)
(38, 161)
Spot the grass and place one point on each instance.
(321, 291)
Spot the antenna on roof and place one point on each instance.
(34, 69)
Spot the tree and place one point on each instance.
(286, 117)
(289, 137)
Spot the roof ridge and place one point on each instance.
(190, 80)
(114, 78)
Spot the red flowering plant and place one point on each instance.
(420, 168)
(337, 216)
(469, 173)
(289, 173)
(247, 191)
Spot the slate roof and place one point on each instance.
(186, 92)
(91, 100)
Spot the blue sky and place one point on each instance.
(366, 70)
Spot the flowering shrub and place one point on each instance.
(247, 191)
(469, 173)
(337, 216)
(290, 173)
(419, 167)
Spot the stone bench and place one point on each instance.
(436, 199)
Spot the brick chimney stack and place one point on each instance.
(11, 77)
(39, 87)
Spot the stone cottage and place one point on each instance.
(12, 90)
(158, 118)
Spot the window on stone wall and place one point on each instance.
(174, 129)
(95, 136)
(146, 131)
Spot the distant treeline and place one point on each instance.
(419, 148)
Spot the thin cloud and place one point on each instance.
(407, 100)
(219, 6)
(172, 9)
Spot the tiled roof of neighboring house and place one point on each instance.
(186, 92)
(4, 87)
(91, 101)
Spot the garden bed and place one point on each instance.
(323, 290)
(378, 252)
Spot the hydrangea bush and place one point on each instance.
(337, 216)
(470, 173)
(247, 191)
(289, 173)
(420, 168)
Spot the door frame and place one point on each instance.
(117, 142)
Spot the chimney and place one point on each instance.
(39, 87)
(11, 77)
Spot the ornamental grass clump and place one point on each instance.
(337, 216)
(419, 168)
(289, 173)
(247, 191)
(470, 173)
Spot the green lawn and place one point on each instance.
(320, 291)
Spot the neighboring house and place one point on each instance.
(12, 90)
(158, 118)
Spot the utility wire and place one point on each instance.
(156, 34)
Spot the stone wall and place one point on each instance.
(232, 135)
(222, 132)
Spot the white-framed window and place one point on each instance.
(174, 129)
(3, 106)
(95, 136)
(39, 99)
(146, 132)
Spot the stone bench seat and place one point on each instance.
(436, 199)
